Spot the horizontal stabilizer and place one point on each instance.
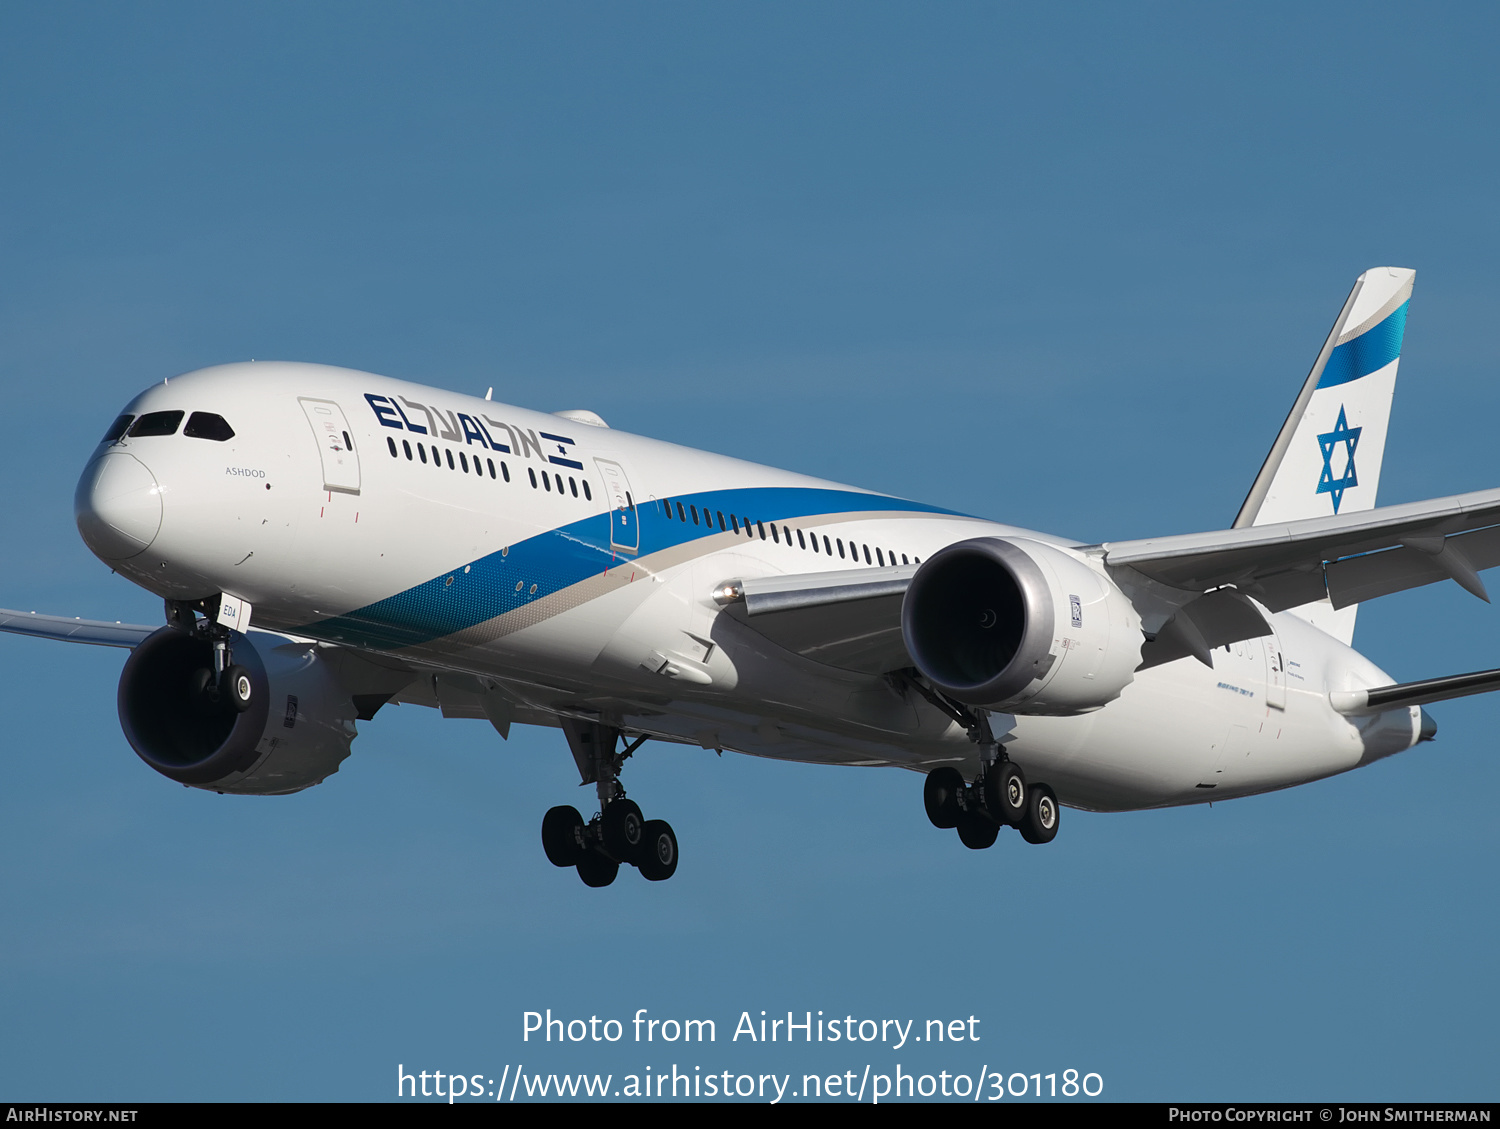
(1404, 694)
(94, 631)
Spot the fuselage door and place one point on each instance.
(335, 444)
(624, 534)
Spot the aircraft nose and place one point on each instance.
(117, 506)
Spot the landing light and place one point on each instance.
(730, 592)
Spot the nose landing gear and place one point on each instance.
(228, 684)
(619, 834)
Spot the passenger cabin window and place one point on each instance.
(117, 429)
(156, 423)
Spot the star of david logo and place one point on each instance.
(1349, 437)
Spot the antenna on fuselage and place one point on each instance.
(490, 393)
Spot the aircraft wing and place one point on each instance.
(849, 619)
(1348, 558)
(852, 619)
(94, 631)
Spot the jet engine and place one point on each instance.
(295, 731)
(1018, 626)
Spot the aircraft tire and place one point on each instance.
(977, 831)
(940, 796)
(237, 689)
(1042, 815)
(596, 869)
(1005, 792)
(658, 857)
(623, 829)
(562, 836)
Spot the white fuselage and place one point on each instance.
(522, 570)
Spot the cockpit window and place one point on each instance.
(156, 423)
(117, 429)
(206, 425)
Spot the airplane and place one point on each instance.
(401, 543)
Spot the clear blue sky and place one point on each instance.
(1066, 270)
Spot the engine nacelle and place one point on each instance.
(1021, 627)
(296, 731)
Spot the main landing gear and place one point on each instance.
(998, 797)
(619, 833)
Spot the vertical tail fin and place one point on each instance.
(1326, 460)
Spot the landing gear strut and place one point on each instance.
(227, 684)
(998, 797)
(619, 834)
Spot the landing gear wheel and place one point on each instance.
(1042, 811)
(621, 825)
(1005, 792)
(562, 836)
(977, 830)
(658, 857)
(236, 689)
(940, 795)
(596, 870)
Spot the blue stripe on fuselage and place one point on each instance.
(500, 582)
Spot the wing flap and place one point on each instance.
(849, 619)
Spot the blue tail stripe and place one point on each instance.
(1370, 352)
(465, 596)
